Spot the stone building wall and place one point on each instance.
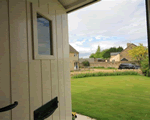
(124, 53)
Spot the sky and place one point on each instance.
(108, 23)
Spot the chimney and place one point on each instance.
(128, 44)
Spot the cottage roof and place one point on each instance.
(114, 53)
(72, 50)
(127, 47)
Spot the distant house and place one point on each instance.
(123, 55)
(74, 58)
(115, 56)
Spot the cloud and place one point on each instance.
(108, 23)
(80, 42)
(86, 56)
(90, 39)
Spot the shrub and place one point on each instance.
(98, 67)
(111, 67)
(86, 63)
(73, 118)
(145, 66)
(105, 74)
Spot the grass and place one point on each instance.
(112, 97)
(83, 75)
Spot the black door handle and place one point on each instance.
(46, 110)
(9, 107)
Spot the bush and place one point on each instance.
(111, 67)
(145, 66)
(86, 63)
(105, 74)
(98, 67)
(73, 118)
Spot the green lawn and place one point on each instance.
(112, 97)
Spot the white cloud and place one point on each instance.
(108, 21)
(82, 49)
(80, 42)
(86, 56)
(90, 40)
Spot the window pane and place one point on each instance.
(44, 33)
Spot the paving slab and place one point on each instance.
(83, 117)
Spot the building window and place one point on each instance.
(44, 29)
(43, 34)
(75, 54)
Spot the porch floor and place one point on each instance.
(83, 117)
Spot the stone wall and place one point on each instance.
(108, 64)
(88, 59)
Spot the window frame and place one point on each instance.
(51, 18)
(75, 54)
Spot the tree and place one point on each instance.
(86, 63)
(105, 53)
(119, 49)
(98, 49)
(112, 49)
(92, 55)
(145, 67)
(98, 53)
(138, 53)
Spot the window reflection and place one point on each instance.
(44, 33)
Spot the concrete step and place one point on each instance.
(83, 117)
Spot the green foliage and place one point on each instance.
(105, 74)
(86, 63)
(145, 67)
(98, 49)
(105, 53)
(112, 49)
(98, 67)
(111, 67)
(73, 118)
(138, 53)
(119, 49)
(92, 55)
(98, 53)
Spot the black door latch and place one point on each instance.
(46, 110)
(9, 107)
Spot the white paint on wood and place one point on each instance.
(54, 75)
(34, 70)
(5, 96)
(19, 62)
(35, 82)
(66, 67)
(60, 65)
(46, 83)
(46, 80)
